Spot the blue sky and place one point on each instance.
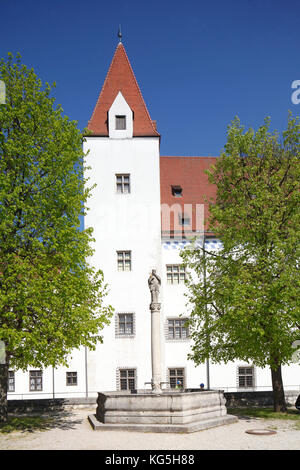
(198, 64)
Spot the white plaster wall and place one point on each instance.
(58, 389)
(76, 363)
(124, 222)
(224, 376)
(174, 304)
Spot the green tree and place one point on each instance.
(51, 299)
(245, 296)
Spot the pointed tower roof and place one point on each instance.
(120, 77)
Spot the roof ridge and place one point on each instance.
(105, 80)
(138, 88)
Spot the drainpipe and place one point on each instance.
(86, 373)
(53, 384)
(204, 281)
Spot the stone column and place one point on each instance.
(154, 283)
(155, 347)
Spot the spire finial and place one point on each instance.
(120, 33)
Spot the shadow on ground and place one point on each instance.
(32, 422)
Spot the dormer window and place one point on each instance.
(120, 119)
(120, 123)
(177, 191)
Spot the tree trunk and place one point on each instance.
(3, 390)
(278, 391)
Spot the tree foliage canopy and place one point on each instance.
(245, 296)
(51, 299)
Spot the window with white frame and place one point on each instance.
(246, 377)
(176, 274)
(124, 260)
(177, 328)
(125, 324)
(35, 380)
(176, 377)
(120, 122)
(123, 183)
(71, 378)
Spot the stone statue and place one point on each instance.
(154, 283)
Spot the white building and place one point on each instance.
(133, 182)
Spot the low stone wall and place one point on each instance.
(257, 398)
(233, 400)
(45, 404)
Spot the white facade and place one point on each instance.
(98, 370)
(124, 222)
(125, 213)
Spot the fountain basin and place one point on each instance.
(169, 411)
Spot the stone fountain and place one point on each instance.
(158, 410)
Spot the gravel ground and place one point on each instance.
(71, 431)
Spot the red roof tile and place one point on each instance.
(188, 173)
(120, 77)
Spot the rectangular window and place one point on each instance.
(36, 380)
(11, 381)
(125, 323)
(177, 191)
(176, 274)
(176, 328)
(71, 378)
(127, 379)
(120, 123)
(123, 183)
(124, 260)
(246, 377)
(176, 378)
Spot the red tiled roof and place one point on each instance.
(187, 172)
(120, 77)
